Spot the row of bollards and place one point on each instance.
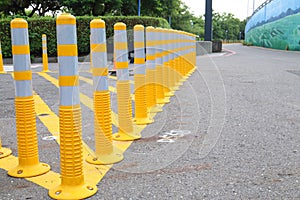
(160, 66)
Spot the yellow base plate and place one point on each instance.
(72, 192)
(169, 94)
(29, 171)
(4, 152)
(142, 121)
(121, 136)
(155, 109)
(105, 159)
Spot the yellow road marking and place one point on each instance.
(93, 173)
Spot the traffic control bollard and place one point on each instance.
(181, 58)
(4, 152)
(172, 65)
(161, 99)
(168, 76)
(190, 52)
(1, 61)
(177, 48)
(28, 165)
(125, 120)
(105, 151)
(151, 71)
(73, 185)
(141, 112)
(45, 53)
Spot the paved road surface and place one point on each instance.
(240, 112)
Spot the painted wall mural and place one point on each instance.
(276, 24)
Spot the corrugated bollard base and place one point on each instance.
(105, 151)
(126, 132)
(29, 165)
(141, 112)
(72, 184)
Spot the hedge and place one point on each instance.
(46, 25)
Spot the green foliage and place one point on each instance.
(227, 27)
(46, 25)
(29, 7)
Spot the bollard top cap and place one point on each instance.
(66, 18)
(138, 27)
(120, 26)
(18, 23)
(150, 28)
(97, 23)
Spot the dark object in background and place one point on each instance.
(216, 46)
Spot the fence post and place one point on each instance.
(126, 131)
(73, 185)
(29, 164)
(105, 151)
(141, 112)
(45, 53)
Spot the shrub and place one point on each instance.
(46, 25)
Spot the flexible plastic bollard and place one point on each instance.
(174, 87)
(45, 53)
(151, 71)
(189, 53)
(73, 185)
(125, 132)
(165, 60)
(180, 58)
(1, 61)
(141, 112)
(105, 151)
(176, 59)
(29, 164)
(4, 152)
(161, 99)
(169, 76)
(184, 55)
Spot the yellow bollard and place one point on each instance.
(167, 65)
(176, 59)
(73, 185)
(29, 164)
(172, 61)
(161, 99)
(105, 151)
(45, 54)
(126, 131)
(4, 152)
(141, 113)
(1, 61)
(151, 71)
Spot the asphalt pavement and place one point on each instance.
(232, 131)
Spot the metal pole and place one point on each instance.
(208, 20)
(139, 8)
(253, 6)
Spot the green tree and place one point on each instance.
(129, 7)
(226, 26)
(29, 7)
